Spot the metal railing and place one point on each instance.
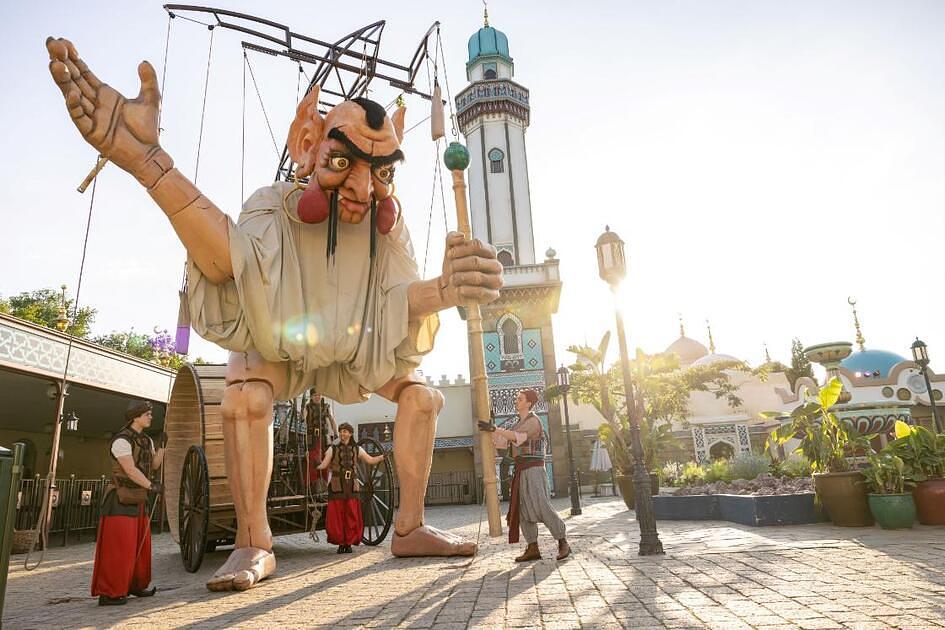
(76, 506)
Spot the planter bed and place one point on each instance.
(753, 510)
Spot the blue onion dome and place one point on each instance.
(488, 41)
(872, 363)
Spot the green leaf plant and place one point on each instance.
(824, 440)
(921, 450)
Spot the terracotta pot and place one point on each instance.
(844, 497)
(893, 511)
(930, 501)
(627, 491)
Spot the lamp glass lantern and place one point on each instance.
(920, 352)
(564, 377)
(611, 260)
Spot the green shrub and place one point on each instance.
(671, 474)
(796, 466)
(692, 474)
(748, 466)
(718, 470)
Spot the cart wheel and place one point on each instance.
(194, 510)
(377, 495)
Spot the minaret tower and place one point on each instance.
(492, 113)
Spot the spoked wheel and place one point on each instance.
(194, 512)
(377, 494)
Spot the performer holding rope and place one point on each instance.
(530, 503)
(123, 546)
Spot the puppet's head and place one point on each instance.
(349, 155)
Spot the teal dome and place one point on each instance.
(867, 362)
(488, 41)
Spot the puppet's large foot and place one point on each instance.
(245, 568)
(430, 541)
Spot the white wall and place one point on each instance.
(455, 420)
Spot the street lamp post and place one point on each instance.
(612, 265)
(920, 354)
(564, 384)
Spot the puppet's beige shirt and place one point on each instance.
(340, 327)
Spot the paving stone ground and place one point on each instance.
(714, 575)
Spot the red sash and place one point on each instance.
(514, 507)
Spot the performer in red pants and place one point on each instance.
(123, 548)
(344, 522)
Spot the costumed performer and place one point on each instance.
(344, 521)
(530, 502)
(123, 546)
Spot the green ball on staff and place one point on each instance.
(456, 157)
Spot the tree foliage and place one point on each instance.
(800, 364)
(661, 395)
(42, 307)
(157, 347)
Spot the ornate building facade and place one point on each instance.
(493, 114)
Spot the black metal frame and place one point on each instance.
(331, 60)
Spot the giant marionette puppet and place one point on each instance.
(311, 288)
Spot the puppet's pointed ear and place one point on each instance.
(398, 120)
(305, 132)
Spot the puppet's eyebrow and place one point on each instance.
(376, 160)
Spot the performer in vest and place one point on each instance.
(344, 522)
(530, 502)
(123, 547)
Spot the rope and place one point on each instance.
(203, 108)
(252, 75)
(42, 526)
(426, 250)
(243, 141)
(446, 80)
(167, 46)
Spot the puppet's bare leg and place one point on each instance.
(414, 431)
(247, 442)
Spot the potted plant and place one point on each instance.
(824, 441)
(923, 453)
(887, 478)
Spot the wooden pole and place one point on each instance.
(480, 390)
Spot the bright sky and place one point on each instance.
(762, 160)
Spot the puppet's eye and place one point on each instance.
(339, 163)
(384, 173)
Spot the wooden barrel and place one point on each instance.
(193, 419)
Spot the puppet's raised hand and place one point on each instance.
(125, 131)
(470, 270)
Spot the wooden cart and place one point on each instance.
(200, 509)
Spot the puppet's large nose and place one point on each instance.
(358, 183)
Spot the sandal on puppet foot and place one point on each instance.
(241, 561)
(264, 565)
(430, 541)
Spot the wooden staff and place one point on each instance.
(456, 158)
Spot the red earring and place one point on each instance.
(313, 204)
(387, 211)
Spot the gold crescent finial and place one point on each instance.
(485, 12)
(856, 322)
(682, 329)
(711, 341)
(767, 354)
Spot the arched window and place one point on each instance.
(497, 160)
(489, 74)
(489, 71)
(510, 337)
(505, 257)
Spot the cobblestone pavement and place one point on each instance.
(714, 575)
